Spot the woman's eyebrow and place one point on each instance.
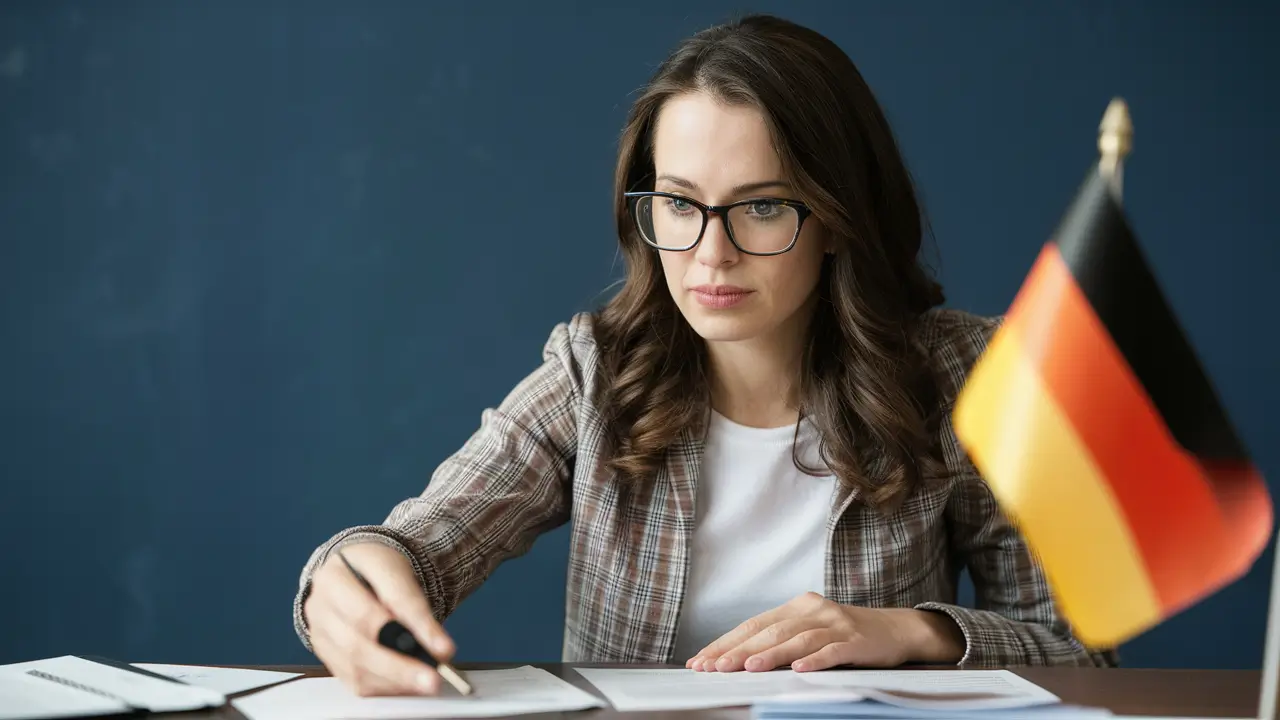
(742, 189)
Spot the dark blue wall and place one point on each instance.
(264, 263)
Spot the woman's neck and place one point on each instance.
(757, 382)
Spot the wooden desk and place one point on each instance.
(1186, 693)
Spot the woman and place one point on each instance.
(752, 438)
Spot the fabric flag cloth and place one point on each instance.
(1100, 435)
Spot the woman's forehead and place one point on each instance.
(714, 147)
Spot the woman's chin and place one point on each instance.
(719, 326)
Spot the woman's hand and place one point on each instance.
(344, 619)
(813, 633)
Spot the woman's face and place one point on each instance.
(718, 154)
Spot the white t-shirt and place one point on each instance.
(761, 533)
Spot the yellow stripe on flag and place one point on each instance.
(1049, 485)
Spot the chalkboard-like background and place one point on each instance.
(264, 263)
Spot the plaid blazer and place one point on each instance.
(536, 462)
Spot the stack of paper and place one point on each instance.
(72, 686)
(922, 694)
(832, 695)
(876, 705)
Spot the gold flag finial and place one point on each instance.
(1115, 141)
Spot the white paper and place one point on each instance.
(959, 689)
(883, 705)
(497, 692)
(28, 698)
(877, 711)
(135, 689)
(632, 690)
(227, 681)
(639, 689)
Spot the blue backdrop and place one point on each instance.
(264, 263)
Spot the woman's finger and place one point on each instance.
(768, 637)
(707, 658)
(401, 594)
(802, 644)
(376, 670)
(853, 652)
(337, 659)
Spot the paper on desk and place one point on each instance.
(122, 686)
(631, 690)
(956, 689)
(227, 681)
(23, 697)
(896, 705)
(871, 710)
(639, 689)
(515, 691)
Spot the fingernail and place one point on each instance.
(723, 663)
(799, 666)
(754, 663)
(426, 683)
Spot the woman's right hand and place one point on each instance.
(344, 618)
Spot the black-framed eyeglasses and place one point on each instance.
(757, 226)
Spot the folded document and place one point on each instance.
(72, 686)
(833, 694)
(887, 704)
(920, 695)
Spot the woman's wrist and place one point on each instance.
(929, 637)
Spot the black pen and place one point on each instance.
(397, 637)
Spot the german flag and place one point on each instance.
(1097, 430)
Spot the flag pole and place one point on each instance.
(1115, 141)
(1271, 649)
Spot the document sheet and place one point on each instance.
(515, 691)
(228, 681)
(873, 710)
(58, 685)
(630, 690)
(23, 697)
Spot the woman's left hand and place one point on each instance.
(814, 633)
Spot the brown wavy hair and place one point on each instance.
(864, 385)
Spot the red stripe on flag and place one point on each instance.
(1170, 507)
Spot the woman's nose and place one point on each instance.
(716, 249)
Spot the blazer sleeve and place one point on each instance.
(489, 501)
